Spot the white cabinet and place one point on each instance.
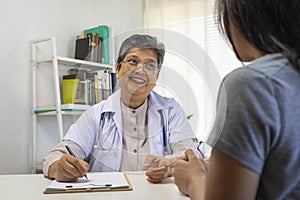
(57, 63)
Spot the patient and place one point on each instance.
(256, 132)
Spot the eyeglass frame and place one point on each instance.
(134, 66)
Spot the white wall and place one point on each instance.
(22, 21)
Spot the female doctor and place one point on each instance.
(134, 129)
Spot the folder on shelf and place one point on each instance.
(75, 89)
(69, 90)
(96, 182)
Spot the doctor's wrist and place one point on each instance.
(52, 171)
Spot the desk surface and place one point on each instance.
(31, 186)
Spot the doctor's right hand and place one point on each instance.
(68, 168)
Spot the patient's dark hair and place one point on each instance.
(142, 42)
(272, 26)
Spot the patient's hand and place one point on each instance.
(157, 168)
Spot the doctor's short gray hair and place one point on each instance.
(142, 42)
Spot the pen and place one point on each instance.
(163, 132)
(164, 139)
(72, 154)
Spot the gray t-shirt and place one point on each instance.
(258, 124)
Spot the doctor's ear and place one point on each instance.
(118, 67)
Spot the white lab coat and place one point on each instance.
(85, 131)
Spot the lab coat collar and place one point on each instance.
(113, 106)
(157, 102)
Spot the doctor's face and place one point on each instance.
(138, 73)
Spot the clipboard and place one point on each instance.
(97, 182)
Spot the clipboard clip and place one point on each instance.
(89, 188)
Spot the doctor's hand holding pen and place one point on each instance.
(68, 167)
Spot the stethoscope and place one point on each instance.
(100, 141)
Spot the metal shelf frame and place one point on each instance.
(57, 61)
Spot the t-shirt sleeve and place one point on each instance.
(247, 119)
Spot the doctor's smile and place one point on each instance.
(138, 71)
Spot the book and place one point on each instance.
(105, 84)
(96, 84)
(82, 47)
(87, 47)
(97, 182)
(93, 47)
(79, 75)
(93, 87)
(113, 79)
(103, 32)
(98, 47)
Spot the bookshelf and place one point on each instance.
(58, 109)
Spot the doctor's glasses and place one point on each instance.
(149, 68)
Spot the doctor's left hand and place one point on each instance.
(158, 168)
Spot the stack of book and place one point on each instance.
(88, 47)
(88, 88)
(93, 45)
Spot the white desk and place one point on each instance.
(31, 186)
